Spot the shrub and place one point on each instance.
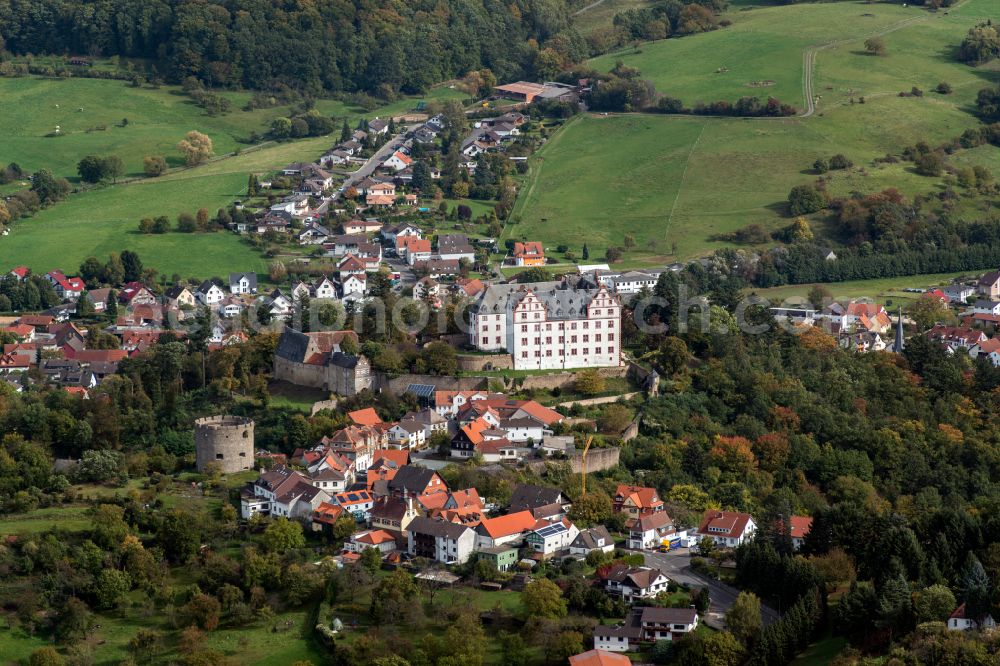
(839, 161)
(805, 199)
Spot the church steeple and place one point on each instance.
(898, 345)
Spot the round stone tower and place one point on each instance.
(226, 441)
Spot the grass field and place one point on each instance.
(675, 182)
(71, 519)
(104, 220)
(760, 54)
(157, 120)
(888, 291)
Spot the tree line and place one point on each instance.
(346, 45)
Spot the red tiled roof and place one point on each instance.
(599, 658)
(528, 249)
(732, 523)
(512, 523)
(367, 416)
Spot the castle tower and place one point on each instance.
(224, 441)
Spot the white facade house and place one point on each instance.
(959, 622)
(325, 288)
(549, 325)
(646, 625)
(440, 540)
(210, 294)
(727, 528)
(552, 537)
(354, 287)
(524, 429)
(636, 582)
(243, 283)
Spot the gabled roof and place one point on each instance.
(641, 496)
(436, 528)
(392, 457)
(502, 526)
(374, 537)
(528, 249)
(526, 496)
(729, 523)
(411, 478)
(655, 521)
(367, 416)
(588, 538)
(599, 658)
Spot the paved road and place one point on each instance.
(369, 167)
(677, 566)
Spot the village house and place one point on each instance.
(527, 496)
(180, 296)
(956, 337)
(66, 288)
(958, 621)
(591, 539)
(599, 658)
(633, 583)
(393, 514)
(282, 492)
(502, 557)
(243, 283)
(411, 481)
(355, 503)
(547, 538)
(439, 540)
(407, 434)
(988, 286)
(728, 528)
(636, 501)
(529, 253)
(508, 530)
(989, 349)
(455, 246)
(647, 624)
(379, 539)
(361, 226)
(397, 161)
(210, 294)
(651, 531)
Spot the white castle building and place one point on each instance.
(549, 325)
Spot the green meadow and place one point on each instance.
(674, 183)
(157, 120)
(105, 219)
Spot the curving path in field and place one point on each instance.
(588, 7)
(809, 55)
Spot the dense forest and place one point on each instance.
(342, 45)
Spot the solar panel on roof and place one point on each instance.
(421, 390)
(352, 497)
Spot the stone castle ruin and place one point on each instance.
(225, 442)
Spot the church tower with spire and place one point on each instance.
(898, 344)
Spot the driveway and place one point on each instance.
(677, 566)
